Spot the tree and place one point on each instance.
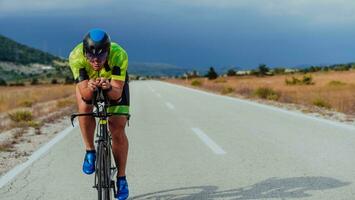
(54, 81)
(279, 70)
(34, 81)
(263, 69)
(231, 72)
(211, 74)
(2, 82)
(69, 80)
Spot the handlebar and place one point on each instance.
(99, 97)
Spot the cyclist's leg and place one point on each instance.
(119, 142)
(117, 126)
(87, 123)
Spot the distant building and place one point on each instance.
(291, 70)
(247, 72)
(193, 74)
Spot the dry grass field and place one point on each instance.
(30, 116)
(27, 96)
(329, 90)
(33, 106)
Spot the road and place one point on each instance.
(186, 144)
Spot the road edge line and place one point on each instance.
(270, 107)
(10, 175)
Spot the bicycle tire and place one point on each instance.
(98, 172)
(106, 174)
(103, 188)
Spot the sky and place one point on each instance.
(194, 34)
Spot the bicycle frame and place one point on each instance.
(104, 172)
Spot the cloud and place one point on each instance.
(17, 6)
(312, 11)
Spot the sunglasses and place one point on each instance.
(101, 57)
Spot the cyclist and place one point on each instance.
(98, 62)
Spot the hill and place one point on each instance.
(11, 51)
(155, 69)
(19, 62)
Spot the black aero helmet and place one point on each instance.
(96, 42)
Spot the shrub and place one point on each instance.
(245, 91)
(19, 133)
(34, 81)
(2, 82)
(27, 103)
(306, 80)
(6, 146)
(293, 81)
(231, 72)
(321, 103)
(279, 70)
(34, 124)
(336, 83)
(20, 116)
(266, 93)
(196, 82)
(220, 80)
(18, 83)
(65, 103)
(69, 80)
(227, 90)
(54, 81)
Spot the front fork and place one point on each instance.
(107, 138)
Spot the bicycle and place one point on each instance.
(104, 171)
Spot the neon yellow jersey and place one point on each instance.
(115, 67)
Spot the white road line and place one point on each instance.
(170, 105)
(208, 141)
(6, 178)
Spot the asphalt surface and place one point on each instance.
(186, 144)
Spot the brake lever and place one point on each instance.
(72, 117)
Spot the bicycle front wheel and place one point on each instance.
(102, 173)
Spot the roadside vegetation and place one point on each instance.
(326, 87)
(32, 106)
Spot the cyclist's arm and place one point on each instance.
(84, 89)
(119, 71)
(116, 92)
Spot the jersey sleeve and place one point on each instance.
(120, 66)
(77, 67)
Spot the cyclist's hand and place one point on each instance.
(92, 85)
(105, 85)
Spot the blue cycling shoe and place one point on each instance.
(89, 162)
(122, 188)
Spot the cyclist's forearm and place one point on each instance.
(86, 93)
(115, 93)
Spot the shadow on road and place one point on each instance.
(283, 188)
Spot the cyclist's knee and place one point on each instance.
(83, 107)
(117, 123)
